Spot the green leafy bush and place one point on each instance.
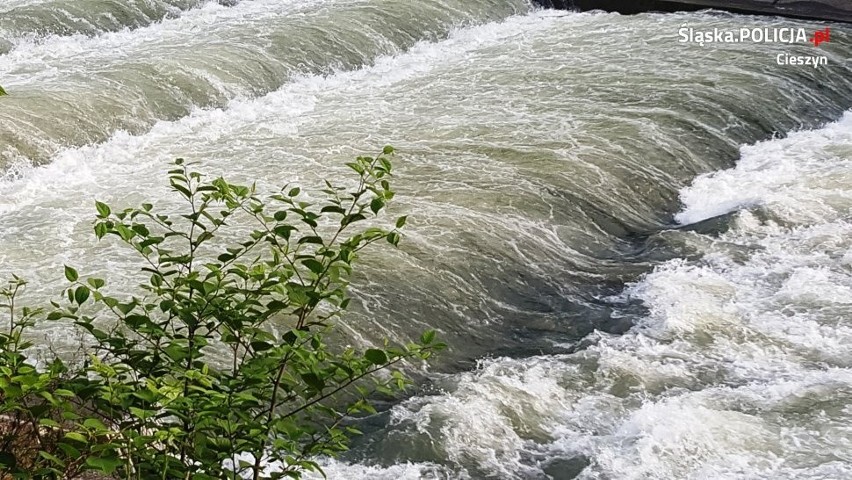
(38, 416)
(217, 367)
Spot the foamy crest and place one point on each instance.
(803, 178)
(741, 369)
(406, 471)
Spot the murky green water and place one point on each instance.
(543, 158)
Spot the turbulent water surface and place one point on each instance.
(637, 249)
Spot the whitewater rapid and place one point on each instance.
(742, 367)
(78, 89)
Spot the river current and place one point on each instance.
(638, 249)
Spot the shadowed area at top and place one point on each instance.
(833, 10)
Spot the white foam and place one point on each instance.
(36, 59)
(130, 163)
(335, 470)
(803, 177)
(741, 369)
(80, 17)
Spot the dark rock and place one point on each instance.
(833, 10)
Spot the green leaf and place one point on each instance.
(377, 204)
(376, 356)
(393, 238)
(107, 465)
(427, 337)
(2, 92)
(357, 167)
(400, 222)
(81, 294)
(294, 192)
(283, 231)
(76, 436)
(94, 424)
(52, 458)
(125, 233)
(348, 219)
(260, 346)
(333, 209)
(181, 189)
(311, 239)
(142, 229)
(48, 422)
(101, 229)
(126, 308)
(140, 413)
(103, 209)
(313, 381)
(69, 450)
(387, 150)
(71, 274)
(313, 265)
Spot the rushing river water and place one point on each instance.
(637, 249)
